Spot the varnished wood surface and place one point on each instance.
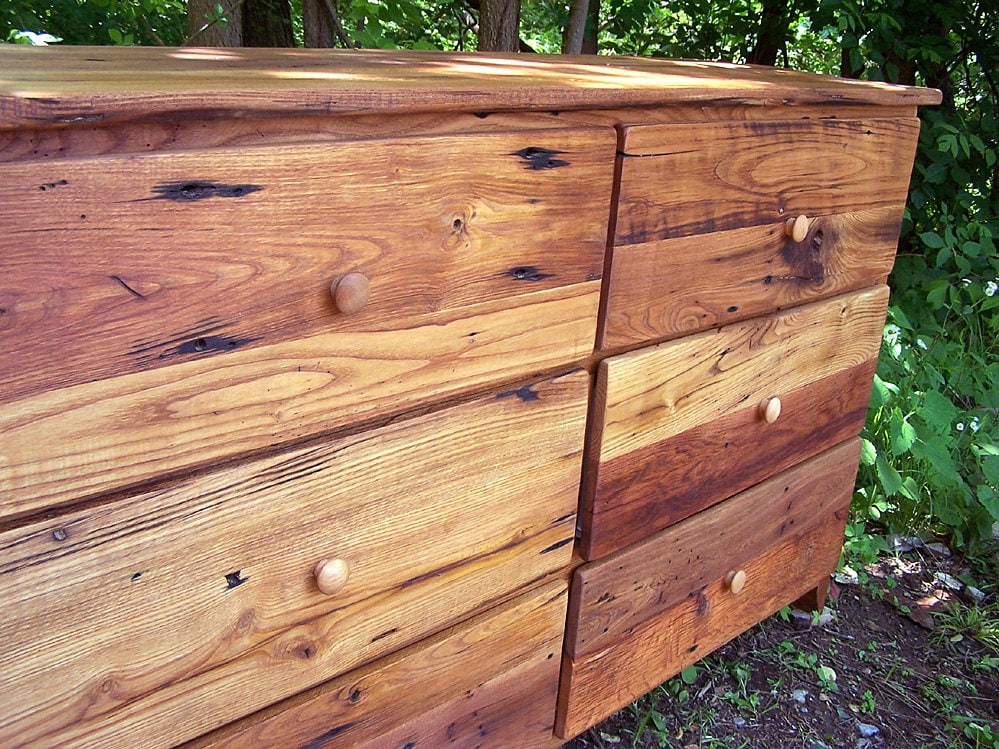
(148, 622)
(40, 143)
(678, 180)
(595, 685)
(676, 426)
(613, 595)
(100, 436)
(489, 683)
(673, 287)
(81, 85)
(120, 265)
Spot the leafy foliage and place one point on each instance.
(930, 445)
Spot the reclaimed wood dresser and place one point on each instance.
(415, 399)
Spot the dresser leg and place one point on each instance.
(814, 599)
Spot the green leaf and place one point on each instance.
(937, 410)
(903, 434)
(988, 499)
(868, 452)
(689, 674)
(932, 240)
(890, 479)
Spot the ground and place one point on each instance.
(906, 656)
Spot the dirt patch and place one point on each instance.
(907, 656)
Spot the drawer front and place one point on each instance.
(682, 425)
(671, 287)
(142, 622)
(488, 683)
(163, 300)
(641, 616)
(684, 179)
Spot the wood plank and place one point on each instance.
(46, 143)
(613, 595)
(490, 682)
(679, 180)
(594, 686)
(660, 484)
(86, 86)
(96, 437)
(676, 427)
(673, 287)
(111, 266)
(150, 621)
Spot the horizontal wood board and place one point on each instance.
(148, 622)
(613, 595)
(80, 85)
(683, 179)
(111, 434)
(594, 686)
(488, 683)
(676, 427)
(672, 287)
(117, 265)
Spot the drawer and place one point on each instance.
(488, 683)
(667, 288)
(163, 300)
(639, 617)
(141, 622)
(682, 425)
(698, 178)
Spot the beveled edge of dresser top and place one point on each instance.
(87, 85)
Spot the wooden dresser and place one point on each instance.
(418, 400)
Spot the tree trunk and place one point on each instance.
(772, 34)
(499, 26)
(592, 29)
(267, 23)
(203, 32)
(575, 30)
(319, 30)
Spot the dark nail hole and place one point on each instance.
(355, 695)
(457, 223)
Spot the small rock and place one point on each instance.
(739, 721)
(902, 544)
(867, 730)
(800, 695)
(846, 576)
(805, 619)
(864, 744)
(948, 581)
(975, 593)
(938, 548)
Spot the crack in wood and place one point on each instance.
(538, 158)
(200, 190)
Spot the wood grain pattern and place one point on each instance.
(488, 683)
(149, 622)
(84, 86)
(678, 180)
(662, 483)
(594, 686)
(658, 392)
(673, 287)
(47, 143)
(613, 595)
(96, 437)
(124, 264)
(676, 426)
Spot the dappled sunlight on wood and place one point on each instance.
(112, 84)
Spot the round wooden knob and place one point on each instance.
(331, 575)
(735, 581)
(350, 292)
(769, 409)
(797, 228)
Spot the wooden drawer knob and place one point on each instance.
(769, 409)
(331, 575)
(797, 228)
(735, 581)
(350, 292)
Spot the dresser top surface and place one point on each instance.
(67, 85)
